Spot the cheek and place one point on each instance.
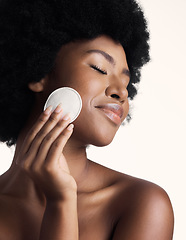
(82, 78)
(87, 84)
(92, 130)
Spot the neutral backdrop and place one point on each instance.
(153, 145)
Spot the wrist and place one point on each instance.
(60, 206)
(67, 196)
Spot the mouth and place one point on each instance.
(112, 111)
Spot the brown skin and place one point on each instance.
(52, 191)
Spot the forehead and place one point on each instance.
(102, 43)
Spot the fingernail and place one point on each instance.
(66, 117)
(48, 110)
(58, 108)
(70, 127)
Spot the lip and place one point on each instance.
(113, 111)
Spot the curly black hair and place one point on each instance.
(33, 31)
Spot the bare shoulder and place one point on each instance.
(145, 210)
(142, 210)
(11, 213)
(7, 214)
(9, 220)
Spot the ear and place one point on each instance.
(37, 86)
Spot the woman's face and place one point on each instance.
(98, 70)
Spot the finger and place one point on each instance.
(39, 130)
(49, 140)
(31, 154)
(57, 147)
(47, 127)
(34, 130)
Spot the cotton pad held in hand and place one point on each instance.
(70, 100)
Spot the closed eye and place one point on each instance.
(98, 69)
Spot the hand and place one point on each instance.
(41, 155)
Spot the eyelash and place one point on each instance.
(95, 67)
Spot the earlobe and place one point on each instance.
(37, 86)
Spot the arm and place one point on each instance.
(60, 220)
(41, 157)
(149, 217)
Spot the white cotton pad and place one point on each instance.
(70, 100)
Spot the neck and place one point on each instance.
(77, 161)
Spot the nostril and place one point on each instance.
(115, 96)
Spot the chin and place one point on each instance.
(102, 141)
(96, 131)
(99, 138)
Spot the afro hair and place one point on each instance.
(32, 33)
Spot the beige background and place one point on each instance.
(152, 146)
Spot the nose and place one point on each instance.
(117, 90)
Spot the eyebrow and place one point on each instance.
(110, 59)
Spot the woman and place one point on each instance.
(52, 191)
